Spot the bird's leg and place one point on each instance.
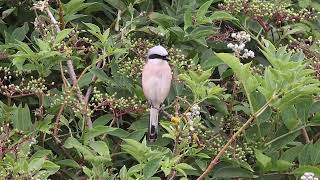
(161, 109)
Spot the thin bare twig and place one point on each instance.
(215, 160)
(56, 124)
(173, 172)
(305, 135)
(61, 13)
(89, 90)
(71, 71)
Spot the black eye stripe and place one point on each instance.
(157, 56)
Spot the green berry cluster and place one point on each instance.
(15, 145)
(132, 65)
(215, 139)
(15, 83)
(278, 12)
(118, 105)
(258, 69)
(44, 28)
(240, 150)
(311, 49)
(69, 98)
(72, 43)
(230, 125)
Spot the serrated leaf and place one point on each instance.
(61, 35)
(151, 167)
(162, 19)
(221, 15)
(232, 172)
(68, 163)
(101, 148)
(187, 19)
(263, 160)
(93, 27)
(21, 118)
(96, 131)
(100, 74)
(123, 173)
(282, 165)
(118, 4)
(290, 117)
(36, 164)
(202, 11)
(184, 166)
(20, 32)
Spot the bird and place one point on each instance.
(156, 84)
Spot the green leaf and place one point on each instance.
(202, 11)
(85, 80)
(302, 169)
(50, 167)
(21, 118)
(61, 35)
(123, 173)
(184, 166)
(290, 117)
(102, 120)
(151, 167)
(24, 47)
(162, 19)
(200, 32)
(93, 27)
(310, 154)
(87, 171)
(100, 130)
(263, 160)
(303, 108)
(187, 19)
(304, 3)
(20, 32)
(221, 15)
(101, 148)
(282, 165)
(232, 172)
(258, 100)
(118, 4)
(291, 154)
(68, 163)
(136, 149)
(100, 74)
(36, 164)
(73, 6)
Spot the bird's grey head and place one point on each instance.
(158, 52)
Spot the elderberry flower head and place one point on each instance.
(238, 46)
(309, 176)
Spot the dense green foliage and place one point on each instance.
(246, 74)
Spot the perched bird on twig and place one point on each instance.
(156, 83)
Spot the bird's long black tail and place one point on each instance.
(153, 125)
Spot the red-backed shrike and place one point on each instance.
(156, 83)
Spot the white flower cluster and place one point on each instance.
(308, 176)
(195, 113)
(241, 38)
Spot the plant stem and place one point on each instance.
(71, 72)
(56, 124)
(305, 135)
(234, 136)
(284, 135)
